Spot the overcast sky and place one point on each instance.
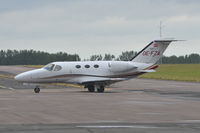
(89, 27)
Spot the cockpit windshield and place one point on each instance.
(49, 67)
(57, 68)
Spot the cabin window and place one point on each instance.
(57, 68)
(96, 66)
(87, 66)
(49, 67)
(78, 66)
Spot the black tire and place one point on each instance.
(91, 88)
(37, 90)
(100, 89)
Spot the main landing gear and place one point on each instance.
(37, 89)
(98, 88)
(91, 88)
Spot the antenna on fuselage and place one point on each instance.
(160, 29)
(160, 33)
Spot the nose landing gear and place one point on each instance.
(37, 89)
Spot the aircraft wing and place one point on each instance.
(106, 81)
(147, 71)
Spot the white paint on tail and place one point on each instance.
(152, 52)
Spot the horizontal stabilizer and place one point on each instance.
(167, 40)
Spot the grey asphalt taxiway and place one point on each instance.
(138, 105)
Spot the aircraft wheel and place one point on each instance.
(100, 89)
(37, 90)
(91, 88)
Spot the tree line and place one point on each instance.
(187, 59)
(32, 57)
(128, 55)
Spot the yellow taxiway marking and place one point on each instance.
(9, 88)
(74, 85)
(6, 76)
(59, 84)
(67, 85)
(108, 89)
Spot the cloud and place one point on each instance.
(93, 26)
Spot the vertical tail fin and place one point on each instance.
(152, 52)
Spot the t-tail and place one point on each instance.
(152, 52)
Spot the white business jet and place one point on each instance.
(95, 75)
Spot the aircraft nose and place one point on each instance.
(28, 76)
(19, 77)
(23, 77)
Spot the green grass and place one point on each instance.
(182, 72)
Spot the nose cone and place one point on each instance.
(20, 77)
(16, 77)
(24, 77)
(29, 76)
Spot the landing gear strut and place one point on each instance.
(98, 88)
(37, 89)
